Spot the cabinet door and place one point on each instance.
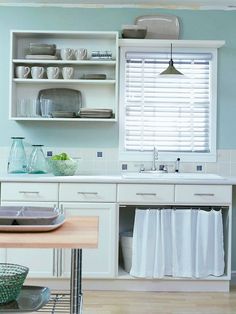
(100, 262)
(40, 261)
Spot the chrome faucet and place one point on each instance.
(155, 158)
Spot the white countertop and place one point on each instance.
(118, 178)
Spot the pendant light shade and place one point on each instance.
(171, 70)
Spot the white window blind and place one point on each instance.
(172, 114)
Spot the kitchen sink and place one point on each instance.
(165, 175)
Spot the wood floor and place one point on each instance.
(116, 302)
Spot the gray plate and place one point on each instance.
(42, 49)
(94, 76)
(31, 298)
(61, 100)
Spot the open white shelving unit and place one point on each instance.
(95, 93)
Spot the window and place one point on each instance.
(176, 115)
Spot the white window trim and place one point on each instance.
(211, 46)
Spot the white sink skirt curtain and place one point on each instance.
(178, 243)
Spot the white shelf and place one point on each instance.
(62, 81)
(65, 119)
(165, 43)
(62, 62)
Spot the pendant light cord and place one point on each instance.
(171, 60)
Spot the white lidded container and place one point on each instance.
(126, 242)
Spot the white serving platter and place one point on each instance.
(159, 26)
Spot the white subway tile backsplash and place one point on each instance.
(233, 156)
(233, 169)
(211, 167)
(223, 155)
(109, 163)
(223, 168)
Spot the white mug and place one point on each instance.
(53, 72)
(37, 72)
(81, 54)
(22, 71)
(67, 73)
(67, 53)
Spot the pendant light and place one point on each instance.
(171, 70)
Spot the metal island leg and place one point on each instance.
(76, 297)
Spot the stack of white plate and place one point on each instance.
(95, 113)
(41, 51)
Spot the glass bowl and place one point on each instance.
(63, 167)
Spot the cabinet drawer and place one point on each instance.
(145, 193)
(88, 192)
(199, 194)
(38, 192)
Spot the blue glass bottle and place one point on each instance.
(37, 161)
(17, 161)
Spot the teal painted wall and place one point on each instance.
(211, 25)
(218, 25)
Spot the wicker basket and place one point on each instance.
(12, 277)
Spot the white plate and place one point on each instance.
(40, 57)
(159, 26)
(34, 228)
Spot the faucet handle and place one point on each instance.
(142, 168)
(163, 168)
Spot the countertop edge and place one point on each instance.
(111, 179)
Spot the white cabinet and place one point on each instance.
(203, 194)
(145, 193)
(87, 192)
(93, 199)
(96, 93)
(41, 262)
(28, 192)
(100, 262)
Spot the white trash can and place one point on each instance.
(126, 241)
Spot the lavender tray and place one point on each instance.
(59, 221)
(24, 215)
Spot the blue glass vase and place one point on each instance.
(17, 161)
(37, 161)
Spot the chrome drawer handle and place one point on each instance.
(89, 193)
(146, 194)
(29, 192)
(204, 194)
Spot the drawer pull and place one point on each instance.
(89, 193)
(146, 194)
(204, 194)
(29, 192)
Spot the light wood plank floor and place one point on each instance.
(116, 302)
